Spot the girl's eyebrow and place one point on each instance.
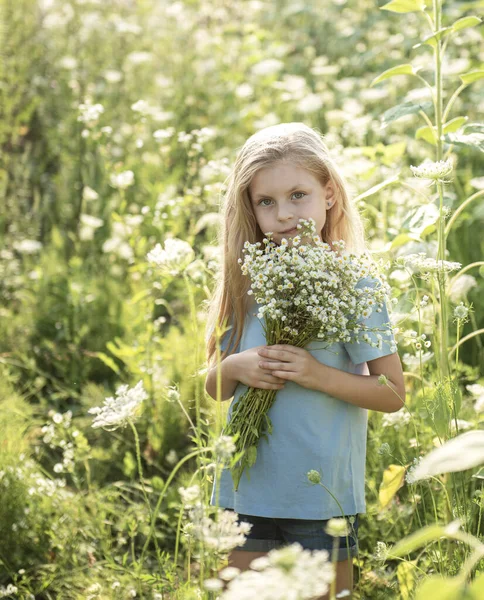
(298, 185)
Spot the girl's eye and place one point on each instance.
(301, 194)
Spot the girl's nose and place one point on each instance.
(285, 213)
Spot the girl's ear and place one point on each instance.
(329, 193)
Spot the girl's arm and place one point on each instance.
(229, 381)
(298, 365)
(241, 367)
(363, 390)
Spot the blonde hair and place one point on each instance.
(304, 147)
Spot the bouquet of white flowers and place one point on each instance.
(304, 291)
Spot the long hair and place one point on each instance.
(301, 146)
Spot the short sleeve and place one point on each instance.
(225, 339)
(361, 351)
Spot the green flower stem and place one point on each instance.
(415, 190)
(438, 77)
(460, 209)
(140, 470)
(466, 268)
(163, 492)
(464, 339)
(441, 276)
(452, 100)
(429, 123)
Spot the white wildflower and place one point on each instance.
(477, 390)
(89, 113)
(122, 180)
(93, 591)
(397, 420)
(420, 262)
(381, 551)
(89, 194)
(189, 495)
(90, 221)
(172, 457)
(337, 527)
(212, 584)
(310, 103)
(10, 590)
(138, 58)
(462, 425)
(173, 258)
(269, 66)
(173, 395)
(224, 448)
(434, 171)
(221, 534)
(117, 412)
(384, 449)
(142, 107)
(460, 286)
(314, 476)
(28, 246)
(229, 573)
(288, 573)
(461, 312)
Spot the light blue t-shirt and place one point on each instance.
(311, 430)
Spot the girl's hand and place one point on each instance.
(289, 363)
(247, 370)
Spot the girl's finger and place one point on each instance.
(274, 379)
(269, 386)
(273, 365)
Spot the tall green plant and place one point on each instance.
(444, 136)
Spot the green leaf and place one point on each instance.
(479, 474)
(403, 238)
(454, 124)
(401, 110)
(108, 361)
(406, 69)
(426, 133)
(378, 187)
(56, 238)
(268, 424)
(470, 140)
(404, 6)
(253, 429)
(392, 481)
(472, 76)
(406, 578)
(476, 589)
(422, 219)
(443, 588)
(431, 40)
(417, 540)
(465, 22)
(251, 455)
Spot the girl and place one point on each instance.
(284, 173)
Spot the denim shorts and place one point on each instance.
(268, 533)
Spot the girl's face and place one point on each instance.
(282, 194)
